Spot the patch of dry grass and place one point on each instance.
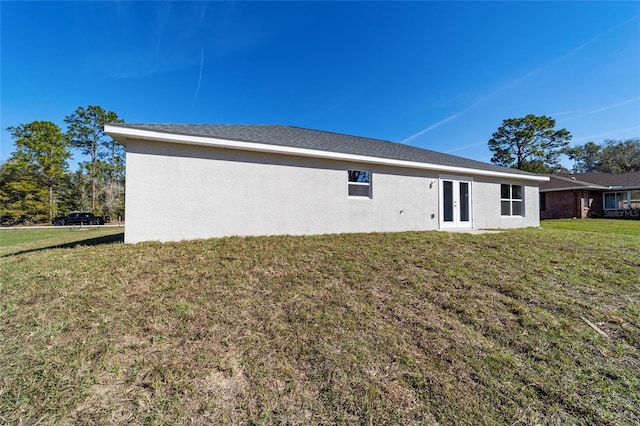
(408, 328)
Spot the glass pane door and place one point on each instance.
(447, 196)
(455, 202)
(464, 201)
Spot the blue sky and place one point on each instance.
(438, 75)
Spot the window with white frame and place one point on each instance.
(511, 200)
(634, 198)
(622, 200)
(359, 183)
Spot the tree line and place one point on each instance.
(36, 183)
(532, 144)
(611, 157)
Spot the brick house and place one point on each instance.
(591, 195)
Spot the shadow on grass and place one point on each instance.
(97, 241)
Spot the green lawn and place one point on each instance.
(22, 239)
(532, 326)
(606, 226)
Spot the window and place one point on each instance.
(622, 200)
(635, 199)
(511, 200)
(359, 183)
(585, 199)
(447, 195)
(614, 200)
(543, 201)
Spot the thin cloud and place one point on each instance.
(134, 66)
(162, 48)
(601, 109)
(462, 148)
(433, 126)
(484, 99)
(160, 27)
(556, 114)
(568, 54)
(199, 78)
(628, 101)
(605, 134)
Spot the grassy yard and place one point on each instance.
(533, 326)
(606, 226)
(20, 240)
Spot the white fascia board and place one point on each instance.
(623, 188)
(305, 152)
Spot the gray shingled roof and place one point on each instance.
(297, 137)
(560, 182)
(602, 181)
(631, 179)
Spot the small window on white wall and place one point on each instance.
(359, 183)
(511, 200)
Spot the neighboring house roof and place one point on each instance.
(594, 181)
(296, 140)
(564, 183)
(613, 180)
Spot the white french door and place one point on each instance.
(456, 209)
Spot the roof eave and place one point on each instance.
(624, 187)
(116, 132)
(573, 188)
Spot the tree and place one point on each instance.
(86, 132)
(73, 194)
(112, 168)
(620, 156)
(529, 143)
(22, 197)
(41, 152)
(610, 157)
(586, 158)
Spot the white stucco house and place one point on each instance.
(202, 181)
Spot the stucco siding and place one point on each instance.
(177, 192)
(487, 205)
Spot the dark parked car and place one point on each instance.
(80, 219)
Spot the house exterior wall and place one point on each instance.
(628, 208)
(596, 205)
(570, 204)
(487, 205)
(562, 205)
(179, 192)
